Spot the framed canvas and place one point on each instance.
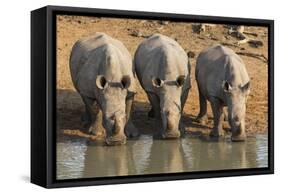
(125, 96)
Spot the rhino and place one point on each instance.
(222, 79)
(163, 70)
(103, 74)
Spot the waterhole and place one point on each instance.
(83, 159)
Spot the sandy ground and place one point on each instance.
(131, 32)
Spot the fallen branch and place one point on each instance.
(252, 42)
(246, 40)
(254, 55)
(255, 43)
(139, 34)
(229, 44)
(79, 133)
(251, 33)
(238, 32)
(201, 37)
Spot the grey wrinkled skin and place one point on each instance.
(223, 80)
(163, 70)
(103, 74)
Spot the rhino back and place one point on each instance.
(99, 55)
(217, 64)
(159, 56)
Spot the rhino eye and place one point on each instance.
(236, 119)
(245, 88)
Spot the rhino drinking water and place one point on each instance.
(102, 72)
(223, 80)
(163, 70)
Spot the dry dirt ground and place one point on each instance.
(131, 32)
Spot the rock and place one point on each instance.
(94, 20)
(136, 34)
(163, 22)
(198, 28)
(202, 27)
(255, 43)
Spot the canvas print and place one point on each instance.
(142, 97)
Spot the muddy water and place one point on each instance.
(81, 159)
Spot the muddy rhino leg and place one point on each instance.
(225, 114)
(93, 115)
(155, 106)
(97, 127)
(130, 129)
(183, 100)
(217, 109)
(202, 117)
(86, 118)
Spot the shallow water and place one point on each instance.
(81, 159)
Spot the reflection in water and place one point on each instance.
(141, 157)
(149, 156)
(70, 159)
(166, 156)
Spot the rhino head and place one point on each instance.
(236, 98)
(169, 93)
(112, 100)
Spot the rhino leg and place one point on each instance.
(217, 108)
(86, 118)
(225, 114)
(94, 116)
(130, 129)
(155, 106)
(97, 127)
(151, 113)
(183, 100)
(202, 117)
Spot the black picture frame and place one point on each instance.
(43, 96)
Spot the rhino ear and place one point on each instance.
(180, 80)
(226, 87)
(157, 82)
(101, 82)
(246, 87)
(126, 81)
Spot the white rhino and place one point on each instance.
(223, 80)
(163, 70)
(103, 74)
